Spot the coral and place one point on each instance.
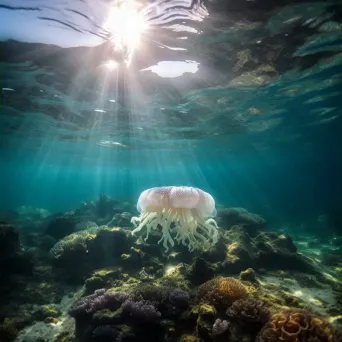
(296, 325)
(180, 211)
(222, 292)
(155, 294)
(179, 298)
(97, 301)
(220, 327)
(141, 311)
(8, 330)
(249, 310)
(94, 283)
(73, 243)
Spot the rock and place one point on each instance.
(121, 220)
(9, 241)
(200, 271)
(229, 217)
(268, 250)
(248, 275)
(60, 227)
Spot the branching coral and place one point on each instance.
(180, 211)
(142, 310)
(296, 325)
(222, 292)
(97, 301)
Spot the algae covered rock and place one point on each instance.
(248, 275)
(267, 250)
(59, 227)
(200, 271)
(82, 252)
(229, 217)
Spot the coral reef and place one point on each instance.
(250, 285)
(297, 325)
(141, 311)
(222, 292)
(249, 311)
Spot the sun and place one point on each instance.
(126, 23)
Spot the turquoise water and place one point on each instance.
(241, 99)
(258, 125)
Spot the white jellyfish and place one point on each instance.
(181, 213)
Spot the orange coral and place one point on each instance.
(222, 292)
(297, 325)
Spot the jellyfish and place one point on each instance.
(181, 213)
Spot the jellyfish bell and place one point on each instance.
(186, 209)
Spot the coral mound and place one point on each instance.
(249, 310)
(296, 325)
(222, 292)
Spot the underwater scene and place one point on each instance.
(171, 170)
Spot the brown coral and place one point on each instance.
(222, 292)
(249, 310)
(296, 325)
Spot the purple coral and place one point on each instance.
(97, 301)
(179, 298)
(108, 300)
(82, 306)
(142, 310)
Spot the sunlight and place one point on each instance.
(126, 24)
(172, 69)
(111, 65)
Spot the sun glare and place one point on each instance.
(126, 24)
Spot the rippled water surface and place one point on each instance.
(242, 98)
